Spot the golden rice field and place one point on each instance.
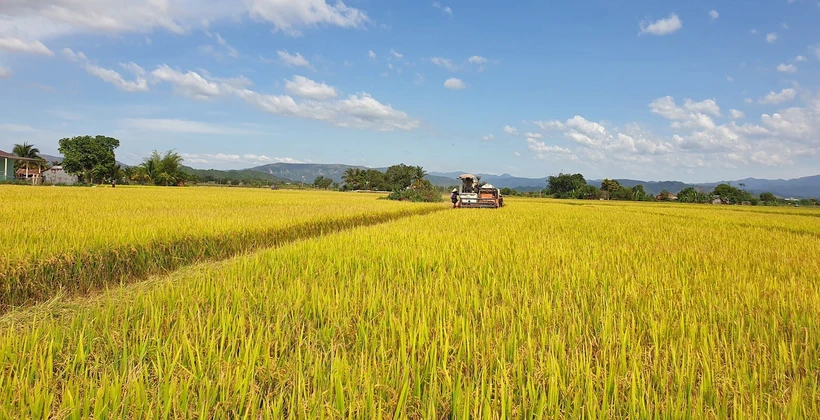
(542, 309)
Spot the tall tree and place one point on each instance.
(85, 155)
(161, 169)
(566, 185)
(27, 151)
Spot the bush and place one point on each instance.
(416, 196)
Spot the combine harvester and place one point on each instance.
(474, 194)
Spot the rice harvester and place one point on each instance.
(474, 194)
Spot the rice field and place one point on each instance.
(542, 309)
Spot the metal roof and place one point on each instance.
(15, 157)
(466, 176)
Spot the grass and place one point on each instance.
(536, 310)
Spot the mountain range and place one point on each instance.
(805, 187)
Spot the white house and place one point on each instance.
(56, 175)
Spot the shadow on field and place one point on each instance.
(84, 272)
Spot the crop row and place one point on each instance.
(536, 310)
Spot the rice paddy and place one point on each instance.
(542, 309)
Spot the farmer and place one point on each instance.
(454, 197)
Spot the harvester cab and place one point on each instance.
(475, 194)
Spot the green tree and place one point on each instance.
(588, 192)
(610, 185)
(28, 151)
(159, 169)
(768, 198)
(322, 182)
(401, 176)
(731, 194)
(85, 155)
(639, 193)
(565, 185)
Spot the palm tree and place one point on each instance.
(27, 151)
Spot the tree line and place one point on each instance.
(574, 186)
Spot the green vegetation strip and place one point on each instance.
(84, 272)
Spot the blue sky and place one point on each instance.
(695, 91)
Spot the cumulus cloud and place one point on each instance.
(5, 72)
(454, 84)
(708, 106)
(139, 84)
(543, 151)
(771, 37)
(292, 60)
(800, 59)
(189, 84)
(371, 55)
(662, 26)
(736, 115)
(787, 68)
(714, 14)
(534, 135)
(479, 61)
(16, 45)
(510, 130)
(304, 87)
(774, 98)
(291, 16)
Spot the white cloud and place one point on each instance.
(139, 84)
(550, 125)
(445, 9)
(662, 26)
(235, 158)
(363, 111)
(231, 51)
(292, 60)
(800, 59)
(444, 62)
(479, 61)
(510, 130)
(533, 135)
(371, 55)
(730, 79)
(543, 151)
(488, 137)
(290, 16)
(816, 50)
(714, 14)
(736, 115)
(454, 84)
(771, 37)
(16, 45)
(753, 32)
(517, 154)
(418, 79)
(302, 86)
(181, 126)
(786, 26)
(778, 98)
(190, 84)
(708, 106)
(397, 55)
(787, 68)
(5, 72)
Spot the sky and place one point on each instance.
(656, 90)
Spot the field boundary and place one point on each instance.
(83, 272)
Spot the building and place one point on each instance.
(667, 197)
(7, 164)
(56, 175)
(30, 175)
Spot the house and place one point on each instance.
(666, 197)
(56, 175)
(30, 175)
(7, 163)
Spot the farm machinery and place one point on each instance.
(474, 194)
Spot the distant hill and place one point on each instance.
(304, 172)
(806, 187)
(237, 175)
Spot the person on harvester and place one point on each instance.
(454, 197)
